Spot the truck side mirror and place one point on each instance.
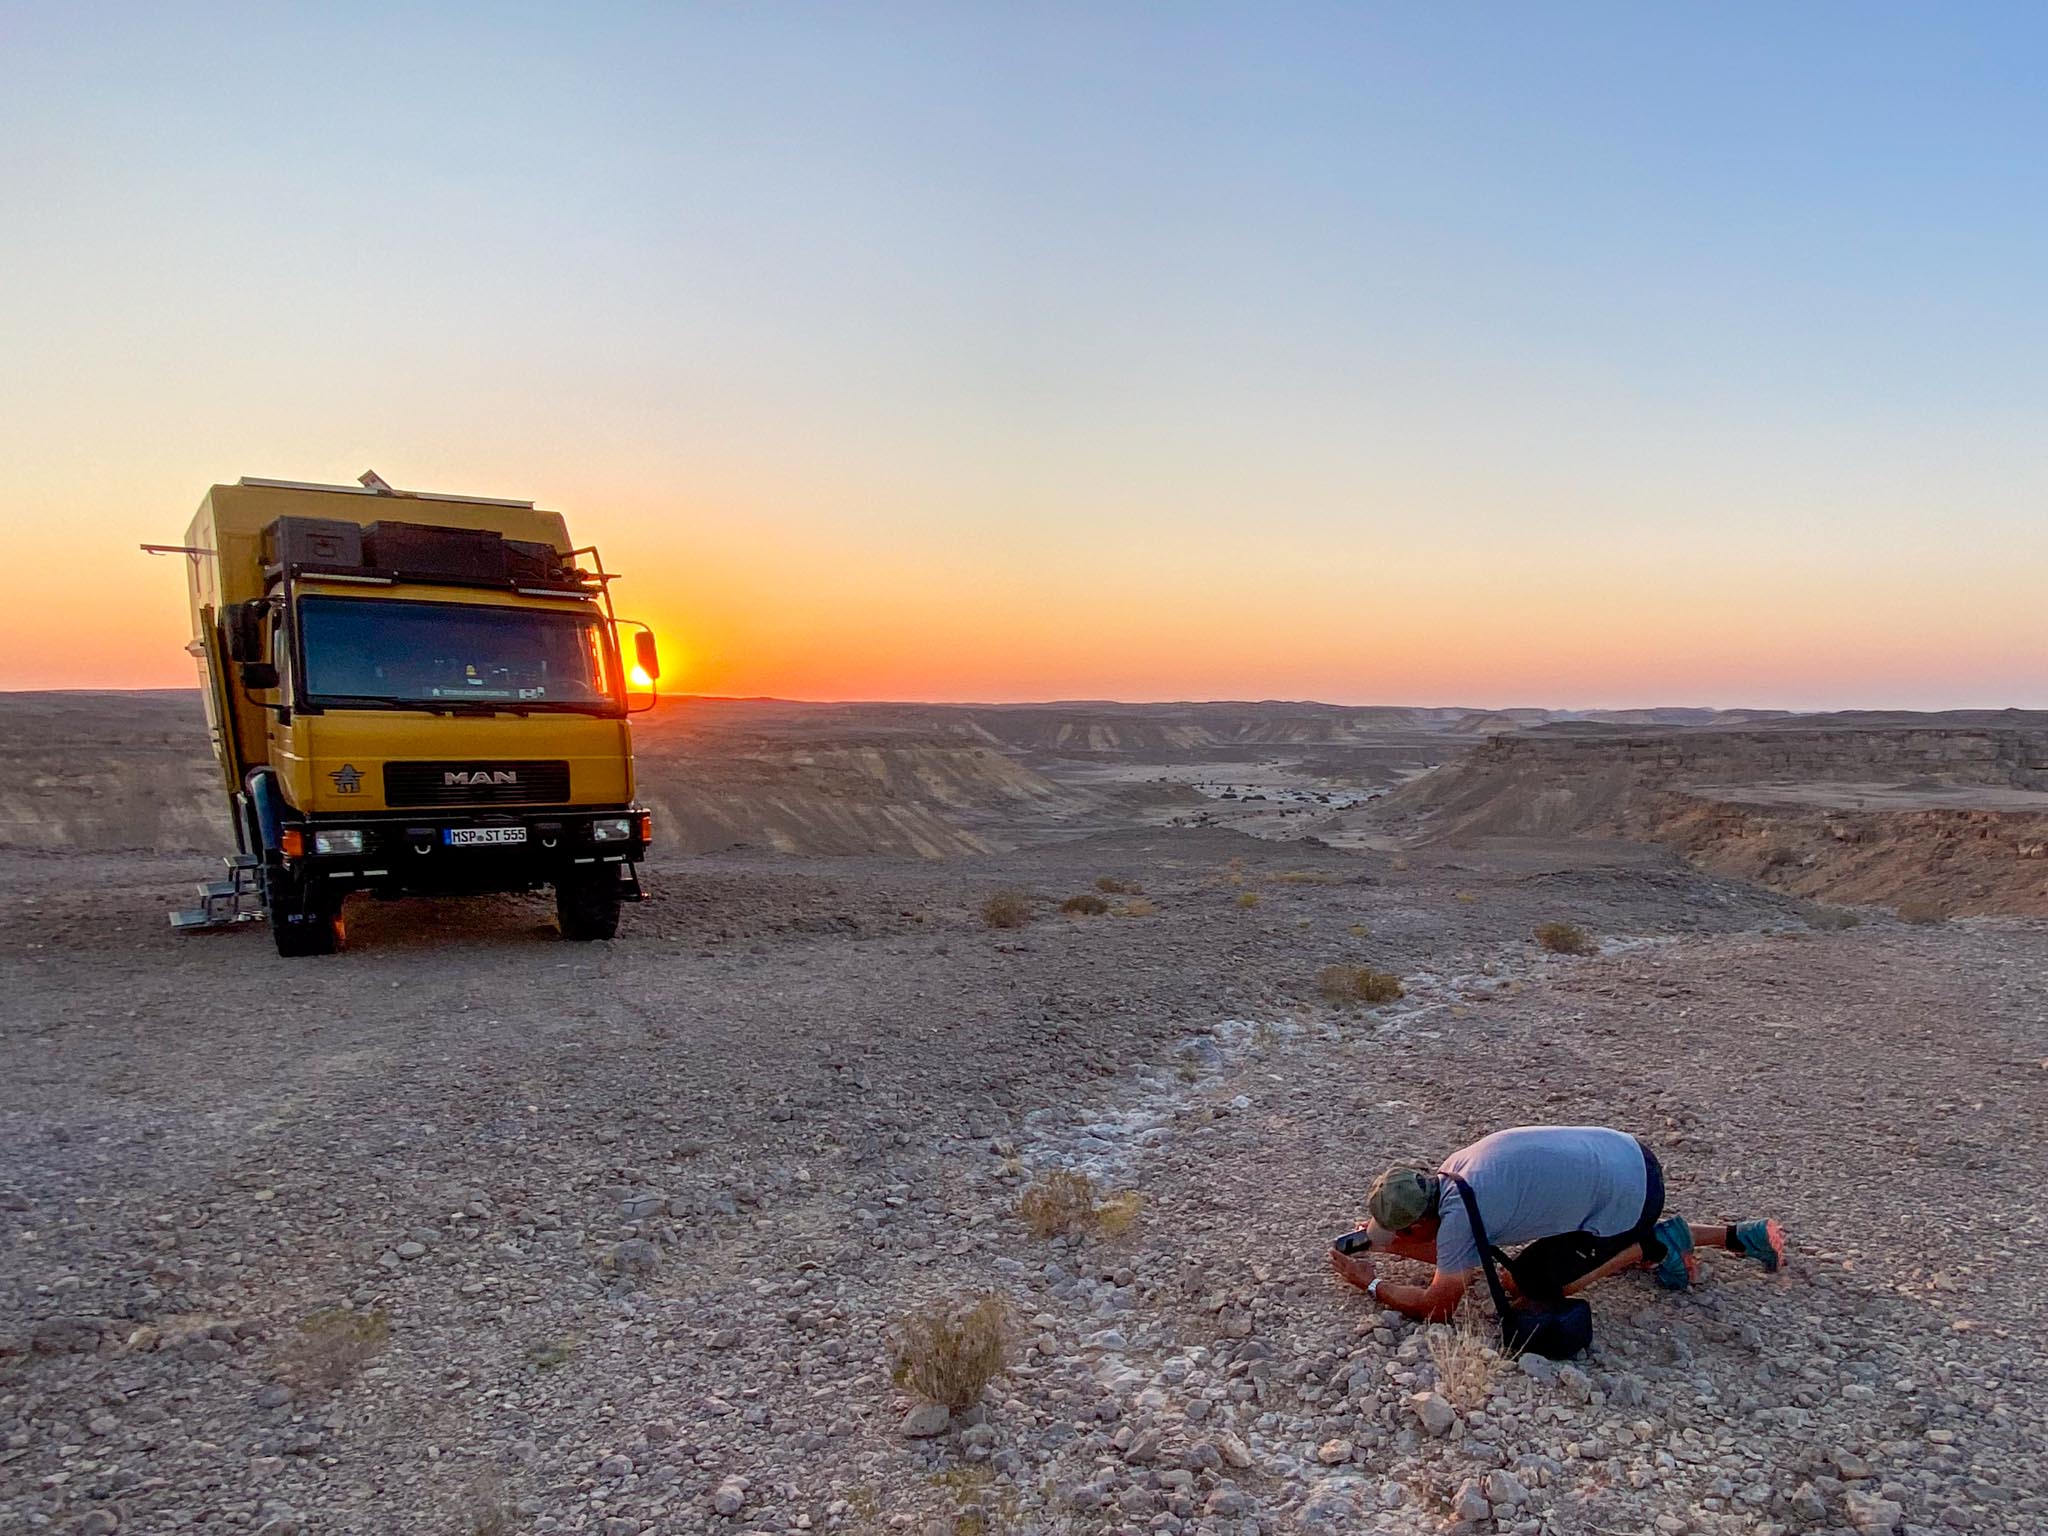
(645, 655)
(245, 631)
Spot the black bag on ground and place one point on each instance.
(1544, 1320)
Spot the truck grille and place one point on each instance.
(470, 782)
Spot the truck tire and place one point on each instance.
(302, 922)
(587, 906)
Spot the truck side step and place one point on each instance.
(225, 903)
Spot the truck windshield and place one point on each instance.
(443, 655)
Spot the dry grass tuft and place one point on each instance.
(1466, 898)
(1058, 1203)
(1360, 931)
(1923, 913)
(1565, 939)
(486, 1507)
(1116, 1214)
(1087, 904)
(1247, 899)
(948, 1350)
(1357, 984)
(1008, 908)
(1466, 1362)
(331, 1346)
(1110, 885)
(1398, 863)
(1832, 919)
(1304, 877)
(1136, 907)
(1064, 1202)
(546, 1354)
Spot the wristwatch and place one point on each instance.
(1372, 1287)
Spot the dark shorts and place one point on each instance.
(1549, 1264)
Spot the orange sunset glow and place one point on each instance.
(941, 393)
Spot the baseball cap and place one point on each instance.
(1402, 1196)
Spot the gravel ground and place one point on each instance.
(466, 1230)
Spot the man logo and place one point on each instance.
(348, 779)
(479, 776)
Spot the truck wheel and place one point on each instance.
(588, 906)
(301, 922)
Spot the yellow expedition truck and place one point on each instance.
(411, 694)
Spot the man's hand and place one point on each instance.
(1354, 1267)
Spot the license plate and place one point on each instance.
(469, 837)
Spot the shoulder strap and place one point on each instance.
(1481, 1242)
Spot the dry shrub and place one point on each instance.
(332, 1345)
(486, 1507)
(978, 1503)
(1065, 1203)
(1924, 913)
(1360, 931)
(1136, 907)
(1466, 1362)
(1087, 904)
(1247, 899)
(1008, 908)
(1832, 919)
(546, 1354)
(1109, 885)
(1304, 877)
(1467, 897)
(1398, 863)
(951, 1348)
(1058, 1203)
(1357, 984)
(1565, 939)
(1116, 1214)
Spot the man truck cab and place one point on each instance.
(411, 694)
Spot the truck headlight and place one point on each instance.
(612, 829)
(338, 842)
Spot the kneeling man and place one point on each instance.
(1586, 1201)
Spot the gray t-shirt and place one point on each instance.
(1538, 1180)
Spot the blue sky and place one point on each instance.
(1654, 351)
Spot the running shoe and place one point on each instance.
(1677, 1270)
(1763, 1241)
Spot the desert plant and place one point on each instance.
(1137, 906)
(1087, 904)
(1466, 898)
(1832, 919)
(1923, 913)
(331, 1345)
(1304, 877)
(549, 1353)
(1398, 863)
(1058, 1203)
(1117, 1213)
(1110, 885)
(1565, 939)
(1465, 1360)
(486, 1508)
(1357, 984)
(948, 1350)
(1008, 908)
(1360, 931)
(1064, 1202)
(1247, 899)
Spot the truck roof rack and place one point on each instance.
(365, 490)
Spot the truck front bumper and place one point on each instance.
(459, 852)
